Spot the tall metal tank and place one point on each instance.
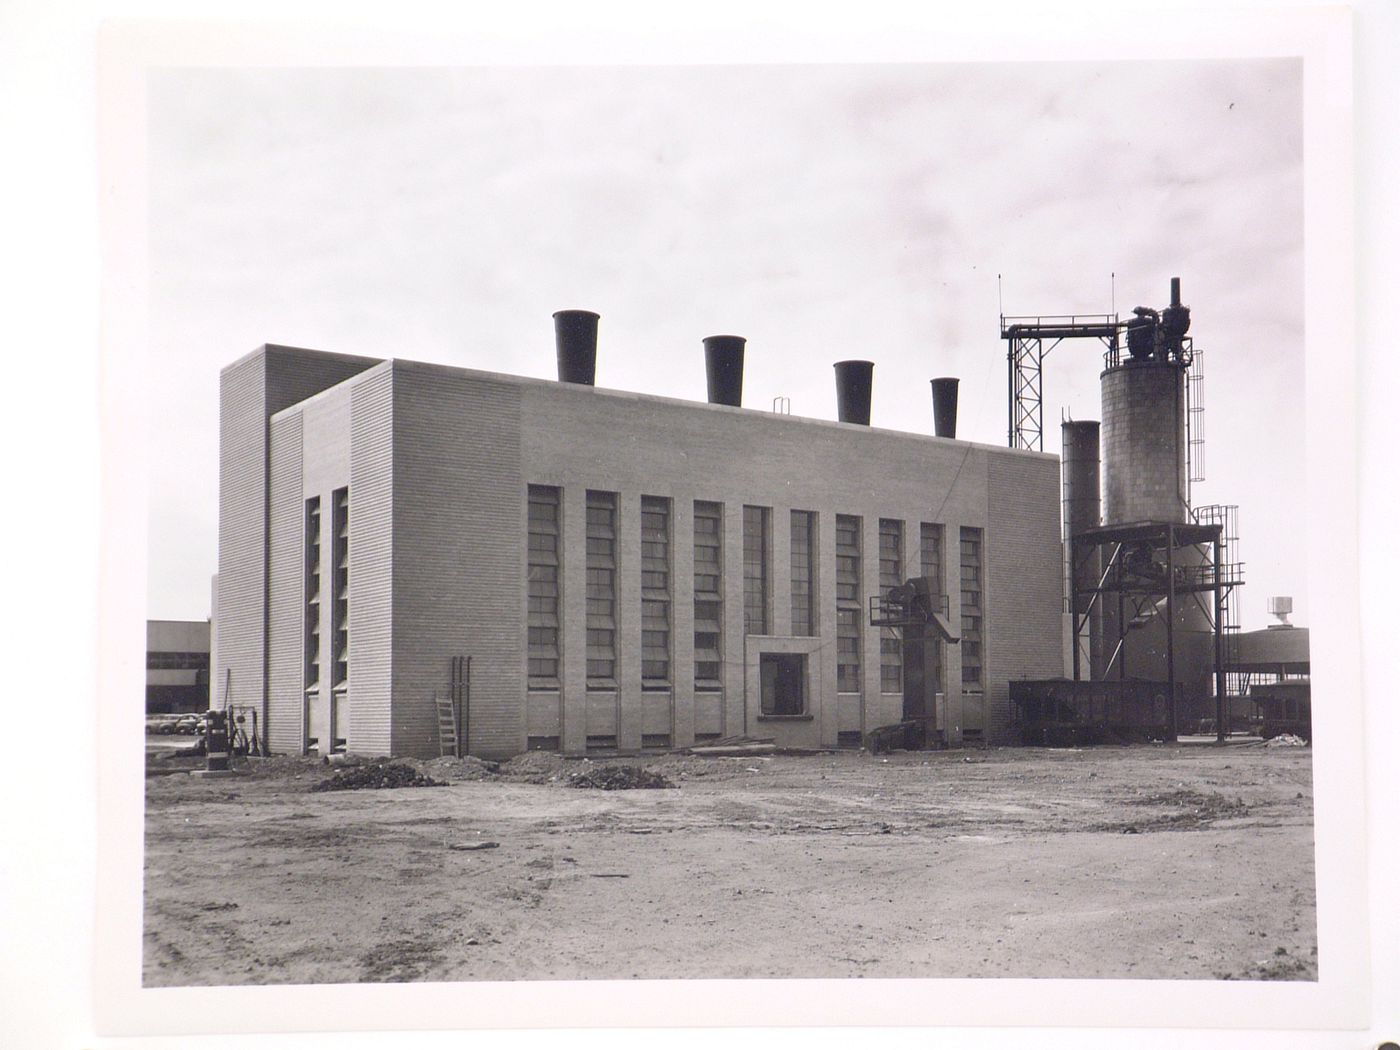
(1144, 479)
(1144, 441)
(1079, 478)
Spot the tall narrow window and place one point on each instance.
(847, 604)
(931, 553)
(340, 610)
(891, 575)
(971, 564)
(311, 635)
(931, 566)
(802, 544)
(601, 592)
(755, 570)
(656, 592)
(542, 588)
(709, 606)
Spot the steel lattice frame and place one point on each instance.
(1029, 341)
(1211, 575)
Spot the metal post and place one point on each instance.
(1171, 628)
(1122, 627)
(1074, 604)
(1221, 705)
(1011, 393)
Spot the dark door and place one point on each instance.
(782, 680)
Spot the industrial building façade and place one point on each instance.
(563, 567)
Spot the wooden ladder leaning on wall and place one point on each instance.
(447, 725)
(452, 710)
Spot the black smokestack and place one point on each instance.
(853, 391)
(576, 343)
(945, 407)
(724, 369)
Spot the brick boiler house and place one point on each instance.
(589, 570)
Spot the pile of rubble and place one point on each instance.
(618, 778)
(376, 775)
(534, 767)
(458, 769)
(1285, 740)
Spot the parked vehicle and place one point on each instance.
(161, 725)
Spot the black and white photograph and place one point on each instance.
(901, 634)
(727, 534)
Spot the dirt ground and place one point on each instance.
(1187, 861)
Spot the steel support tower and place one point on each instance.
(1029, 340)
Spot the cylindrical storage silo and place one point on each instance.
(1144, 479)
(1079, 478)
(1144, 442)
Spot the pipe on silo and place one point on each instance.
(853, 379)
(1079, 480)
(724, 369)
(945, 407)
(576, 345)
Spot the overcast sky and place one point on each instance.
(824, 212)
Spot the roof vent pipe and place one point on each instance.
(724, 369)
(576, 343)
(853, 391)
(945, 407)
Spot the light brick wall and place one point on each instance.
(439, 461)
(372, 448)
(459, 556)
(251, 391)
(1024, 584)
(284, 724)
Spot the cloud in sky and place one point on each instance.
(824, 212)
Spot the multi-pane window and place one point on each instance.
(656, 591)
(970, 554)
(891, 575)
(340, 608)
(931, 553)
(847, 604)
(542, 583)
(931, 566)
(847, 559)
(802, 552)
(167, 660)
(847, 650)
(755, 570)
(311, 634)
(600, 592)
(709, 609)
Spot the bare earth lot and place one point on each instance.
(1174, 862)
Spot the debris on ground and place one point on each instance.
(376, 775)
(277, 767)
(533, 767)
(473, 845)
(453, 769)
(1187, 809)
(735, 745)
(618, 778)
(1285, 740)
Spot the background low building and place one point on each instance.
(177, 666)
